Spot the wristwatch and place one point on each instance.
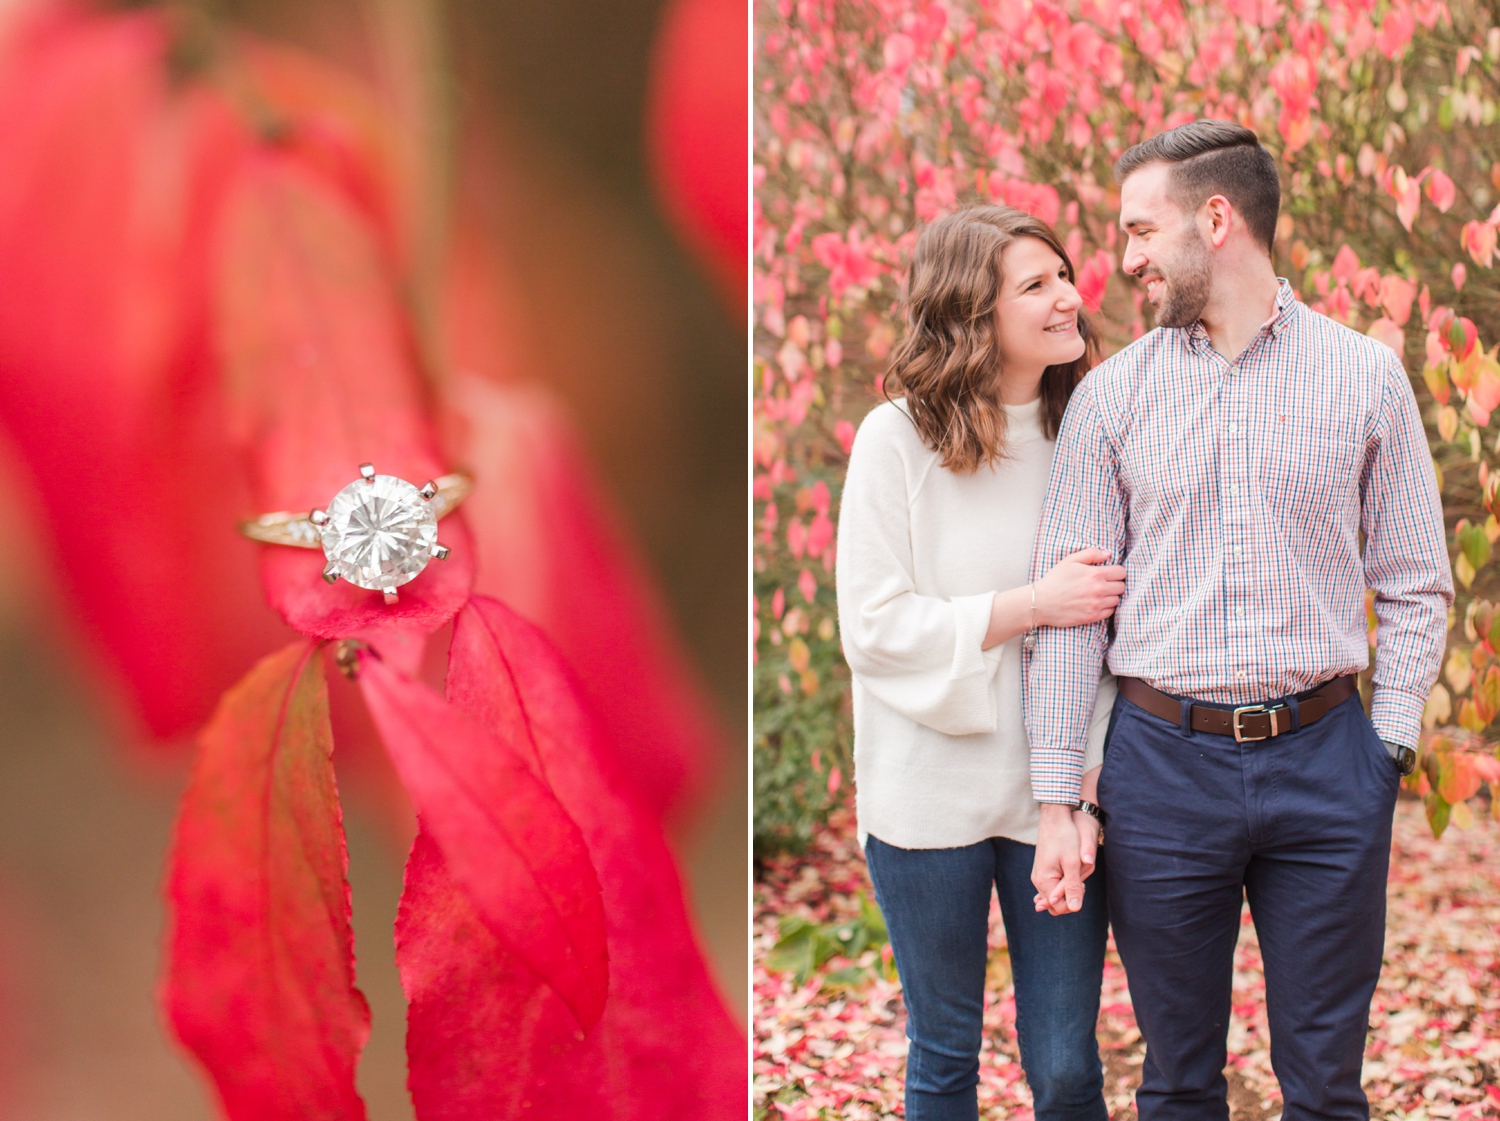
(1094, 812)
(1406, 758)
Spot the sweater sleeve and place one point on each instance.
(1104, 703)
(918, 654)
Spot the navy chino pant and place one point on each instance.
(937, 906)
(1300, 825)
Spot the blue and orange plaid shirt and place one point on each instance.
(1235, 495)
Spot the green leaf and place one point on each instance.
(1475, 544)
(1464, 570)
(848, 979)
(1437, 813)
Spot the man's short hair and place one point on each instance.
(1215, 158)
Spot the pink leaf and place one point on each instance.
(485, 1039)
(1345, 263)
(1396, 31)
(1440, 190)
(260, 977)
(1409, 203)
(1479, 242)
(844, 432)
(807, 584)
(1093, 279)
(1384, 330)
(1459, 274)
(899, 52)
(1395, 294)
(512, 846)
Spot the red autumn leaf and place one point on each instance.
(1479, 242)
(322, 378)
(1487, 767)
(1093, 277)
(1440, 190)
(1458, 780)
(260, 982)
(1387, 332)
(512, 846)
(697, 122)
(665, 1049)
(1396, 294)
(547, 547)
(479, 1022)
(1345, 263)
(107, 188)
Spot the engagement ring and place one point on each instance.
(378, 532)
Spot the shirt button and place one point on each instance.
(1233, 490)
(1239, 610)
(1233, 429)
(1238, 550)
(1241, 675)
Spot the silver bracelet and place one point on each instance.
(1029, 642)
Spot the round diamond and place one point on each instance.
(379, 533)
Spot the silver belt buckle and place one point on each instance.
(1273, 713)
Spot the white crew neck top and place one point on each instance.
(940, 751)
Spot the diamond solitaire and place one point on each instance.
(379, 532)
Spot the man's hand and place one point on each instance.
(1056, 872)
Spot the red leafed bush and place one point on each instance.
(205, 292)
(872, 118)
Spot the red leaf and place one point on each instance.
(260, 981)
(510, 843)
(480, 1022)
(547, 546)
(665, 1049)
(1093, 277)
(696, 125)
(107, 190)
(1440, 190)
(323, 378)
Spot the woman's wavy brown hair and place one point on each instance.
(948, 364)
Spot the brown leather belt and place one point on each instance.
(1248, 722)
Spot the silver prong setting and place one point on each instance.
(330, 574)
(440, 552)
(367, 472)
(428, 491)
(389, 594)
(318, 517)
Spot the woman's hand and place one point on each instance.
(1080, 588)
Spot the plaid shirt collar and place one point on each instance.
(1196, 339)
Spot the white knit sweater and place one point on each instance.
(940, 751)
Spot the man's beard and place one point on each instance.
(1186, 290)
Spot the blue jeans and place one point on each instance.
(937, 904)
(1300, 825)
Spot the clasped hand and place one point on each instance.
(1067, 846)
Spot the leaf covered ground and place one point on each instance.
(833, 1046)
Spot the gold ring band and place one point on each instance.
(301, 532)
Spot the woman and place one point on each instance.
(939, 509)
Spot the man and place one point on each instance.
(1231, 460)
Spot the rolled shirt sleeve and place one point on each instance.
(1406, 562)
(1084, 507)
(918, 654)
